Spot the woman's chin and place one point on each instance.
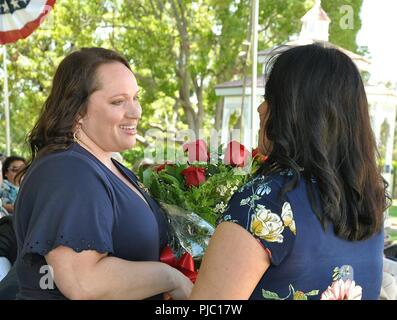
(123, 143)
(129, 144)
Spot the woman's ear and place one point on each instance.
(78, 124)
(80, 119)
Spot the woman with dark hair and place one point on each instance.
(84, 227)
(10, 186)
(309, 225)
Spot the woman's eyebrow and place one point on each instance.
(120, 94)
(124, 94)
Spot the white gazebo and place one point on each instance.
(315, 28)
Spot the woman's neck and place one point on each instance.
(103, 156)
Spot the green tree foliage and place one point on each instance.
(345, 22)
(179, 51)
(280, 20)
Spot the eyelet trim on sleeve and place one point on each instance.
(80, 245)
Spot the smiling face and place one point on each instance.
(113, 111)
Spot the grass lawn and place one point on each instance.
(393, 211)
(393, 236)
(393, 215)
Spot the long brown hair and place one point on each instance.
(73, 83)
(318, 120)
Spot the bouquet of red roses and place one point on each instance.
(196, 193)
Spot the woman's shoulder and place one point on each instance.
(267, 184)
(66, 164)
(65, 159)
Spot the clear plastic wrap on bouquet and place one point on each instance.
(188, 231)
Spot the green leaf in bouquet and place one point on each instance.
(176, 171)
(171, 170)
(220, 150)
(170, 196)
(156, 188)
(212, 169)
(180, 198)
(167, 178)
(210, 217)
(196, 194)
(255, 165)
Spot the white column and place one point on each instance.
(6, 102)
(225, 122)
(255, 17)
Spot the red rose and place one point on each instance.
(162, 166)
(197, 151)
(236, 154)
(255, 152)
(194, 176)
(260, 157)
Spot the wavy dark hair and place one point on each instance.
(7, 163)
(318, 126)
(73, 83)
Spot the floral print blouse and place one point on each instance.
(8, 192)
(307, 262)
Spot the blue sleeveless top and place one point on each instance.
(70, 198)
(306, 261)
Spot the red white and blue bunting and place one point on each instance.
(19, 18)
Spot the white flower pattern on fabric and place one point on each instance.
(263, 189)
(267, 225)
(343, 290)
(340, 289)
(256, 180)
(288, 217)
(250, 200)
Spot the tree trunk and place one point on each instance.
(183, 71)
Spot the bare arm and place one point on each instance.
(232, 265)
(91, 275)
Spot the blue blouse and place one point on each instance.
(306, 261)
(8, 192)
(70, 198)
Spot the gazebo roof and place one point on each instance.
(380, 89)
(316, 13)
(239, 83)
(361, 62)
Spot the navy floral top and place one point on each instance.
(306, 261)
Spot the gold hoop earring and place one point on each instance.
(75, 138)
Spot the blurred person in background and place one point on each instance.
(10, 186)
